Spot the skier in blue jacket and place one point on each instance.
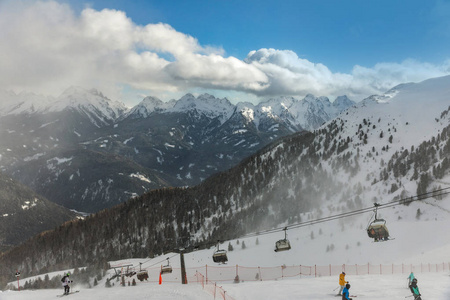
(345, 292)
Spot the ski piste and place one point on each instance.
(67, 294)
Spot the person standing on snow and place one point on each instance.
(342, 282)
(346, 293)
(410, 278)
(415, 289)
(65, 282)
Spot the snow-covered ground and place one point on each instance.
(433, 286)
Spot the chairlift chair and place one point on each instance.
(167, 268)
(142, 275)
(377, 229)
(284, 244)
(220, 256)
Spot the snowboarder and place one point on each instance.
(415, 289)
(410, 278)
(65, 282)
(346, 293)
(342, 282)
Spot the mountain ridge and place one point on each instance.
(175, 143)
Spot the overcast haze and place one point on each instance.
(246, 51)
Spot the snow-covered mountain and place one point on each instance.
(23, 103)
(175, 143)
(205, 104)
(148, 106)
(100, 110)
(307, 113)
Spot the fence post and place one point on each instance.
(206, 266)
(215, 286)
(368, 268)
(330, 269)
(237, 272)
(315, 270)
(356, 269)
(259, 271)
(392, 268)
(381, 272)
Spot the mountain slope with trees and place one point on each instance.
(23, 213)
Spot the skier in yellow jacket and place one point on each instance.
(342, 282)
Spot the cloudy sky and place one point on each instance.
(245, 50)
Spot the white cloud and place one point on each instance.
(290, 75)
(45, 47)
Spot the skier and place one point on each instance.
(410, 278)
(65, 282)
(415, 289)
(345, 293)
(342, 282)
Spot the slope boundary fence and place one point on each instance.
(238, 273)
(212, 288)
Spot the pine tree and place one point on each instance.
(418, 214)
(230, 247)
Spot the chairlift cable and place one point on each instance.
(403, 201)
(157, 263)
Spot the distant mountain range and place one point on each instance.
(87, 152)
(389, 147)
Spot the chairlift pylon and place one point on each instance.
(220, 255)
(377, 229)
(284, 244)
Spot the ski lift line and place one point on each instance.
(312, 222)
(356, 212)
(157, 263)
